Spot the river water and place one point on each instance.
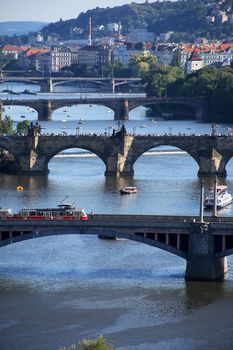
(55, 291)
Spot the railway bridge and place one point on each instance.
(203, 244)
(119, 152)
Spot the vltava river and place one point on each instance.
(54, 291)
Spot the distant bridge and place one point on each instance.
(120, 105)
(48, 84)
(204, 245)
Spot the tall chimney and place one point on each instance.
(119, 31)
(89, 32)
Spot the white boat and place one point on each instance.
(223, 197)
(128, 190)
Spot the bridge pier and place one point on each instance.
(32, 163)
(119, 163)
(215, 165)
(202, 265)
(47, 85)
(112, 85)
(45, 110)
(122, 110)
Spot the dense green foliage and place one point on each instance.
(160, 77)
(22, 127)
(187, 18)
(216, 85)
(96, 344)
(7, 126)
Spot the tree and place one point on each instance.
(222, 101)
(159, 78)
(7, 126)
(22, 127)
(141, 64)
(95, 344)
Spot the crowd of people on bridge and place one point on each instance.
(34, 129)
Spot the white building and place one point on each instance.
(209, 53)
(123, 54)
(194, 62)
(165, 36)
(60, 57)
(165, 53)
(113, 27)
(140, 35)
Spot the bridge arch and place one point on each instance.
(60, 149)
(90, 231)
(224, 253)
(166, 142)
(227, 164)
(91, 82)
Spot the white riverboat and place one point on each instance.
(223, 199)
(128, 190)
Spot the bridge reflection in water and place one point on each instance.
(204, 245)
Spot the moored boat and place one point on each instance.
(223, 197)
(128, 190)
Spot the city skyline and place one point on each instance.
(51, 11)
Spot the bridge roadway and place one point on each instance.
(121, 106)
(204, 245)
(32, 154)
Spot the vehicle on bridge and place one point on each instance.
(223, 199)
(5, 212)
(62, 212)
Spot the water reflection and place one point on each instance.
(199, 294)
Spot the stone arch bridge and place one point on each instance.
(204, 245)
(119, 152)
(121, 106)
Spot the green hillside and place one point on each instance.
(182, 16)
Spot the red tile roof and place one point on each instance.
(195, 55)
(14, 48)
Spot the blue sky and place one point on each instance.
(51, 10)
